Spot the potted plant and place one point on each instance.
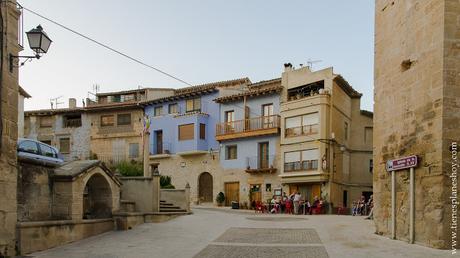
(220, 199)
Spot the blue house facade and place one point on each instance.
(180, 125)
(248, 133)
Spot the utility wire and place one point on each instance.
(106, 46)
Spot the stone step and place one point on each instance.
(171, 208)
(166, 204)
(173, 211)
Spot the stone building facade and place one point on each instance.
(67, 129)
(8, 128)
(326, 139)
(116, 123)
(255, 120)
(417, 112)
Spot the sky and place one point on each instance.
(199, 41)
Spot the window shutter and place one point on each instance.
(186, 132)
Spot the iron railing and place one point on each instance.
(301, 130)
(160, 148)
(246, 125)
(301, 165)
(260, 162)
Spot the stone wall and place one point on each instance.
(140, 190)
(38, 236)
(9, 128)
(416, 111)
(35, 192)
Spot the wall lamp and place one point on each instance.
(39, 42)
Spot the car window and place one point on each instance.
(48, 151)
(29, 147)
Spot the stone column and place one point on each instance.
(9, 135)
(146, 154)
(187, 197)
(156, 191)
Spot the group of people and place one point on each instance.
(361, 207)
(294, 204)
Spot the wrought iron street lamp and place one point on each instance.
(39, 42)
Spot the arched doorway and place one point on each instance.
(97, 198)
(205, 187)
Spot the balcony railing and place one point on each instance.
(301, 130)
(261, 123)
(160, 148)
(301, 165)
(260, 163)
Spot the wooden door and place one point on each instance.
(205, 187)
(159, 141)
(256, 193)
(316, 191)
(293, 189)
(232, 193)
(263, 155)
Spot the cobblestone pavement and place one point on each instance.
(216, 232)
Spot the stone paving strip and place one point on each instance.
(263, 251)
(266, 242)
(270, 236)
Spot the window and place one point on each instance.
(173, 108)
(129, 97)
(133, 150)
(231, 152)
(158, 111)
(46, 121)
(301, 160)
(267, 110)
(47, 151)
(193, 105)
(72, 120)
(229, 116)
(301, 125)
(367, 134)
(346, 131)
(186, 132)
(202, 131)
(371, 166)
(29, 147)
(64, 145)
(123, 119)
(107, 120)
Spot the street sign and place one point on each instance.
(402, 163)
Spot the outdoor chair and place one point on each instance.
(317, 209)
(260, 207)
(288, 209)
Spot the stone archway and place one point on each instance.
(205, 189)
(97, 198)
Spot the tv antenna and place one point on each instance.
(96, 88)
(55, 102)
(311, 62)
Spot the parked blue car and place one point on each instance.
(39, 153)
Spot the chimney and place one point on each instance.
(287, 67)
(72, 103)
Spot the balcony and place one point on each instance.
(306, 165)
(160, 150)
(258, 164)
(257, 126)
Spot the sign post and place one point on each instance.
(392, 166)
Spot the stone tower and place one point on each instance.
(9, 132)
(417, 111)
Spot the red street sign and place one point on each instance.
(402, 163)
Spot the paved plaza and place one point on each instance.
(220, 232)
